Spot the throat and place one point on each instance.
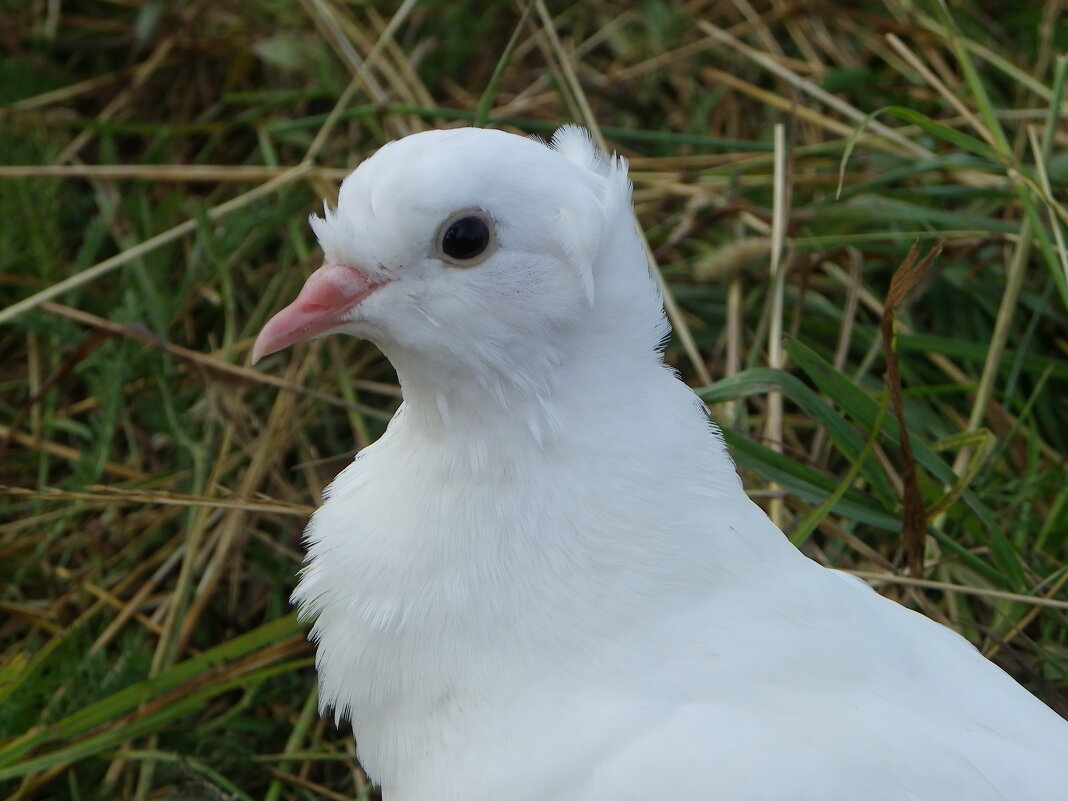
(484, 407)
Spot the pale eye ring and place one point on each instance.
(466, 238)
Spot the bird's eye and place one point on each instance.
(466, 238)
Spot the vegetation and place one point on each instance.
(161, 160)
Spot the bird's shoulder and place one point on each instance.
(797, 693)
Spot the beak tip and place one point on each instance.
(259, 350)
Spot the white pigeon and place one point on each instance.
(545, 581)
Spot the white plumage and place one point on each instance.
(545, 581)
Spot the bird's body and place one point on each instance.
(545, 581)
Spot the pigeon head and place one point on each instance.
(477, 253)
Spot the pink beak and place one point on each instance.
(328, 295)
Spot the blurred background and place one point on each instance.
(158, 162)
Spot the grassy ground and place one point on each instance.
(163, 158)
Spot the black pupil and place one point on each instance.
(466, 238)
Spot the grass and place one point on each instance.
(160, 161)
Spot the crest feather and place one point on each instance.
(575, 144)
